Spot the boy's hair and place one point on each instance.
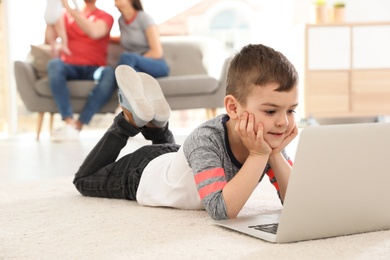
(259, 65)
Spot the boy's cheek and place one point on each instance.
(291, 128)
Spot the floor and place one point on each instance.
(24, 158)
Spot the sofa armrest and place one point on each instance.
(223, 76)
(26, 79)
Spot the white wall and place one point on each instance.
(26, 24)
(276, 25)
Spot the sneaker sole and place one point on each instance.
(131, 87)
(153, 92)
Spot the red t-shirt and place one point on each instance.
(85, 50)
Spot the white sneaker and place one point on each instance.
(131, 95)
(65, 134)
(153, 92)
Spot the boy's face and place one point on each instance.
(275, 110)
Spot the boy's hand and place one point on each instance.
(286, 140)
(253, 141)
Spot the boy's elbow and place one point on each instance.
(232, 215)
(218, 215)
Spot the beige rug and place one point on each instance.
(48, 219)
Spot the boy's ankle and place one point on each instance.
(129, 117)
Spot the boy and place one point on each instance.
(221, 162)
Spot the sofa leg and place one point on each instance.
(211, 112)
(51, 123)
(40, 121)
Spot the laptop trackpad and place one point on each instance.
(253, 224)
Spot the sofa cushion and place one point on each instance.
(40, 56)
(183, 58)
(171, 86)
(188, 85)
(78, 88)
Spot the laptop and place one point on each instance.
(339, 185)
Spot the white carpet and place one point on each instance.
(49, 219)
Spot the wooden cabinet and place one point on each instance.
(329, 94)
(347, 70)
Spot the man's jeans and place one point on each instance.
(104, 77)
(154, 67)
(103, 175)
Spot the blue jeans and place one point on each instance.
(154, 67)
(104, 77)
(102, 175)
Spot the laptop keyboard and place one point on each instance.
(270, 228)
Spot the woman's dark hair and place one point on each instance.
(137, 5)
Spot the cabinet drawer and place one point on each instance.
(371, 91)
(326, 92)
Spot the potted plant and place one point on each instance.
(338, 12)
(339, 4)
(320, 11)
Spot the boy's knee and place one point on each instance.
(78, 183)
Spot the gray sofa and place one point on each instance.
(191, 83)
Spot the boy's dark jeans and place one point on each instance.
(101, 175)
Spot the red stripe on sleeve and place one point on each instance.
(213, 173)
(290, 162)
(271, 175)
(213, 187)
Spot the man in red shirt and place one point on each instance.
(88, 32)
